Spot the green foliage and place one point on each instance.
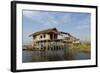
(83, 47)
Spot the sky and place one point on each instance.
(76, 23)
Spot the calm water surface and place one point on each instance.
(58, 55)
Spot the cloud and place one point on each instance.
(29, 14)
(36, 18)
(47, 18)
(54, 19)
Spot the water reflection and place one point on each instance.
(52, 55)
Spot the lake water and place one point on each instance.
(57, 55)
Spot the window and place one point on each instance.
(44, 35)
(34, 37)
(41, 36)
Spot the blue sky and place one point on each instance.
(78, 24)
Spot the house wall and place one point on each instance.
(38, 37)
(76, 41)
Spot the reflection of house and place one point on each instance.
(50, 38)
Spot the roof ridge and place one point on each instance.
(45, 30)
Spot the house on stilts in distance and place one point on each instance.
(52, 39)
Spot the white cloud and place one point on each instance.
(28, 13)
